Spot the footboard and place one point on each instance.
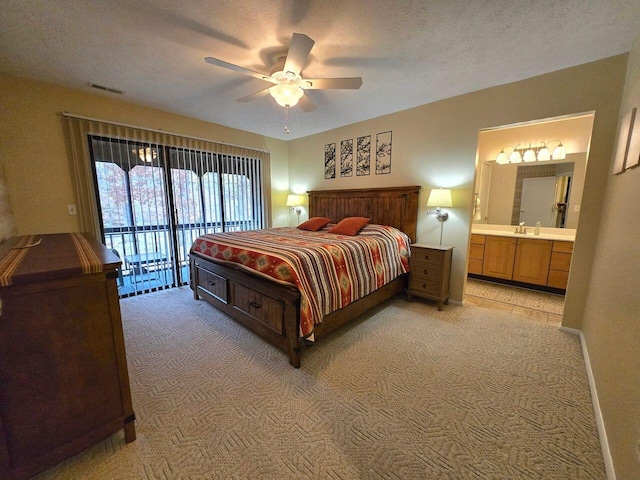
(268, 309)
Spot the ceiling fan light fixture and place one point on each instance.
(285, 94)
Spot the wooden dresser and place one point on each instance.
(63, 370)
(430, 269)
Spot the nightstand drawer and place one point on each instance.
(428, 270)
(426, 258)
(426, 286)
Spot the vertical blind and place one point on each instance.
(185, 153)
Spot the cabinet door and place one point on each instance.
(532, 261)
(499, 254)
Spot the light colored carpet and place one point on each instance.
(404, 392)
(543, 301)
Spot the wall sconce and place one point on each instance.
(294, 202)
(440, 197)
(531, 154)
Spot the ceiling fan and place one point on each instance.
(288, 84)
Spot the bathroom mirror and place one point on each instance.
(548, 192)
(502, 192)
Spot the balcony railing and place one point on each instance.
(149, 259)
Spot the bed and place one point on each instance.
(272, 308)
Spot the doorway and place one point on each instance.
(155, 200)
(528, 188)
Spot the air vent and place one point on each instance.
(106, 89)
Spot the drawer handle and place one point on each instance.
(426, 272)
(424, 285)
(211, 282)
(426, 257)
(254, 304)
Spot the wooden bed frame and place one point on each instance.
(271, 309)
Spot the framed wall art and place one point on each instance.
(363, 156)
(346, 158)
(330, 161)
(383, 153)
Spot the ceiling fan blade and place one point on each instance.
(331, 83)
(306, 104)
(299, 50)
(236, 68)
(253, 96)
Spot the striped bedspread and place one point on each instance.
(331, 271)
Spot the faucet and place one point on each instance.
(521, 228)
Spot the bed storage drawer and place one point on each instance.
(212, 284)
(266, 310)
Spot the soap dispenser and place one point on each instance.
(536, 231)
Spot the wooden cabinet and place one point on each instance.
(430, 269)
(476, 253)
(532, 261)
(63, 368)
(499, 255)
(559, 266)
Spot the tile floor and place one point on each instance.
(538, 306)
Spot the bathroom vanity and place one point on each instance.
(539, 261)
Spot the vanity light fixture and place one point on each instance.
(440, 197)
(531, 154)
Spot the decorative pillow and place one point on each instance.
(350, 225)
(314, 223)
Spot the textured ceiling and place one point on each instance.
(408, 52)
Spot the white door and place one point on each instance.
(537, 201)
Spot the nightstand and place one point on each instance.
(430, 269)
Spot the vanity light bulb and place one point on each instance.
(515, 157)
(529, 155)
(544, 154)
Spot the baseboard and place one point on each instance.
(456, 302)
(602, 433)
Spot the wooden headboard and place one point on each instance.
(395, 206)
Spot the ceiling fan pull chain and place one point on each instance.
(286, 119)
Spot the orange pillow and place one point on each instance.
(314, 223)
(350, 225)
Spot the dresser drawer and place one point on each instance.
(213, 284)
(266, 310)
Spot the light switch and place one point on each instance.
(71, 210)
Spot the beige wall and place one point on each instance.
(611, 320)
(435, 145)
(35, 157)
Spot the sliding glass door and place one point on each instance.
(155, 200)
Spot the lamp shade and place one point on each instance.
(294, 200)
(285, 94)
(440, 197)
